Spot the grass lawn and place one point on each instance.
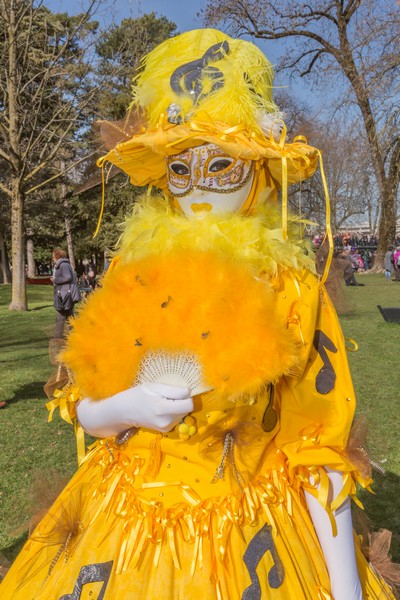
(31, 448)
(376, 377)
(36, 451)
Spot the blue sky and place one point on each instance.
(183, 13)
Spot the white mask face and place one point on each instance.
(206, 179)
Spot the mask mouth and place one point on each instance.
(201, 207)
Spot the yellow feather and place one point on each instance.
(194, 301)
(245, 72)
(256, 239)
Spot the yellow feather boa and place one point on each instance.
(256, 240)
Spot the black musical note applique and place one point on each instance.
(270, 417)
(261, 543)
(326, 377)
(187, 79)
(98, 572)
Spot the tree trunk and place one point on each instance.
(387, 227)
(19, 300)
(5, 272)
(369, 211)
(387, 222)
(30, 258)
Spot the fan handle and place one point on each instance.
(126, 435)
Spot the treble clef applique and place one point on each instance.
(188, 78)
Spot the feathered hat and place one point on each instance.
(205, 87)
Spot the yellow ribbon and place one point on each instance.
(65, 400)
(186, 490)
(300, 138)
(153, 465)
(294, 319)
(327, 221)
(197, 551)
(323, 594)
(80, 442)
(311, 433)
(172, 545)
(284, 198)
(297, 286)
(319, 488)
(353, 348)
(100, 163)
(347, 490)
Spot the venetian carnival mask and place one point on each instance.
(205, 179)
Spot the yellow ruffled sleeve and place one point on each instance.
(316, 406)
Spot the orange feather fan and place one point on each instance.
(198, 303)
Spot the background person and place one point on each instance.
(388, 264)
(66, 291)
(396, 262)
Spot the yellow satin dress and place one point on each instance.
(219, 514)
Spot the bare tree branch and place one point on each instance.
(61, 173)
(5, 189)
(359, 40)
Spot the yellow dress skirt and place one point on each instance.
(118, 532)
(219, 514)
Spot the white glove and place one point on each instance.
(338, 551)
(152, 405)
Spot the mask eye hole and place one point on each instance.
(179, 168)
(217, 165)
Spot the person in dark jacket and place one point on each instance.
(63, 278)
(388, 264)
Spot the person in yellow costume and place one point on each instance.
(210, 364)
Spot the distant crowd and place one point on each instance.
(361, 248)
(353, 240)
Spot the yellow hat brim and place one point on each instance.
(143, 156)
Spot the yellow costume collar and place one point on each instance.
(257, 239)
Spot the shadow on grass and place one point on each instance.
(11, 552)
(40, 307)
(34, 339)
(28, 391)
(383, 508)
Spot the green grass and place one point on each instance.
(376, 375)
(33, 449)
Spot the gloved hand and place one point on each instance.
(338, 551)
(155, 406)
